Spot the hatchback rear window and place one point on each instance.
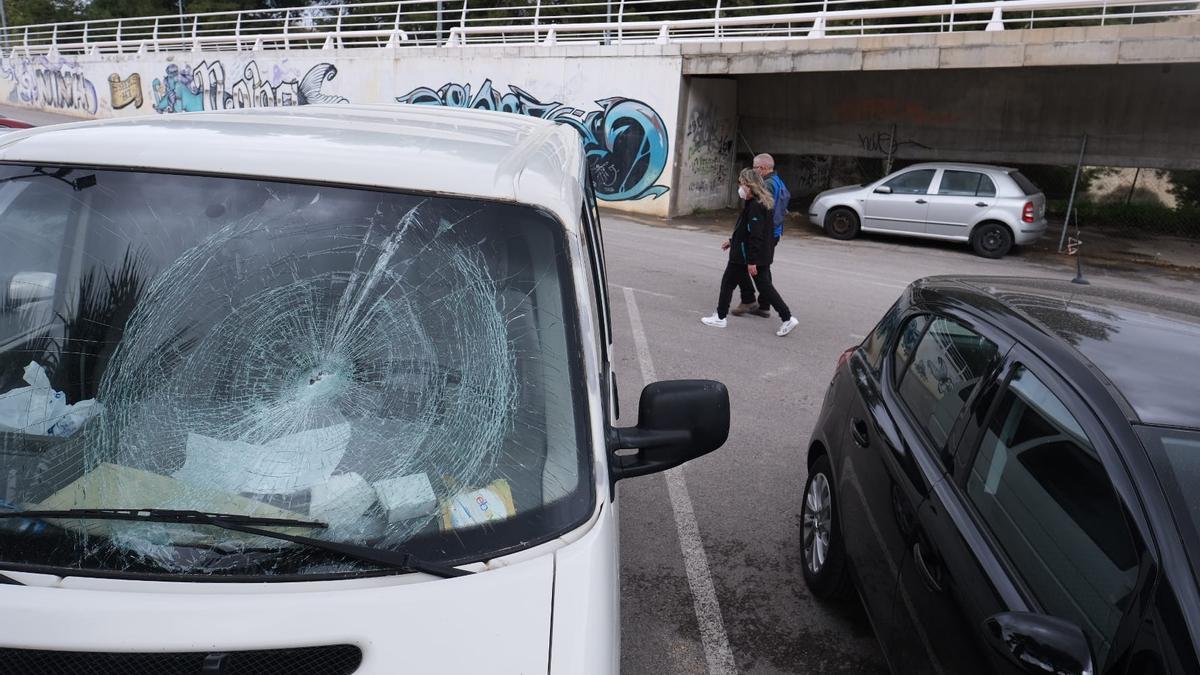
(1024, 183)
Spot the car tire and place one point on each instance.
(841, 223)
(822, 554)
(991, 240)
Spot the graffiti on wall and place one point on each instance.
(42, 82)
(709, 155)
(626, 141)
(206, 87)
(124, 92)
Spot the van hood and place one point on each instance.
(494, 621)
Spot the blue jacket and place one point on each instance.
(781, 195)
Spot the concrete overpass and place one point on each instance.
(666, 100)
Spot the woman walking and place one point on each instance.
(751, 252)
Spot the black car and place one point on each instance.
(1008, 471)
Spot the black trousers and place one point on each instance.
(746, 288)
(736, 274)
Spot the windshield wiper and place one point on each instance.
(161, 516)
(239, 523)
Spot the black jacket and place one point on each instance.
(753, 235)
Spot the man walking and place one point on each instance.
(764, 164)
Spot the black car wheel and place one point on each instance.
(820, 538)
(841, 223)
(991, 240)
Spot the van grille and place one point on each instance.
(329, 660)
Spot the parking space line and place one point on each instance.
(642, 290)
(695, 561)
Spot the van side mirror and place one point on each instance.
(1040, 644)
(678, 420)
(883, 190)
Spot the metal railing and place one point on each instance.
(425, 23)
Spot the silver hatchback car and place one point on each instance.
(990, 207)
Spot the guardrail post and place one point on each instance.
(118, 35)
(717, 21)
(997, 22)
(54, 39)
(85, 36)
(237, 33)
(818, 29)
(620, 21)
(664, 35)
(337, 42)
(154, 35)
(537, 15)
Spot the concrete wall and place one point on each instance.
(1134, 115)
(706, 167)
(624, 107)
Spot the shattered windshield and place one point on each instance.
(398, 367)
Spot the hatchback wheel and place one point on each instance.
(841, 223)
(820, 537)
(991, 240)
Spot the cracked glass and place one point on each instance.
(399, 367)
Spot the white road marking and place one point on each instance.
(695, 561)
(642, 290)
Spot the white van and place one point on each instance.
(314, 390)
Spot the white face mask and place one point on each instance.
(743, 192)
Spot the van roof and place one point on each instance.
(490, 155)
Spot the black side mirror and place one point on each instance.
(1040, 644)
(678, 420)
(883, 190)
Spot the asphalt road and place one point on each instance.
(745, 497)
(711, 577)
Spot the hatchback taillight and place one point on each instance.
(1027, 214)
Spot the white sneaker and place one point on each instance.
(787, 326)
(714, 321)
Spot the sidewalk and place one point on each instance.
(1171, 254)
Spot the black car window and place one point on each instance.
(907, 344)
(875, 345)
(948, 362)
(911, 183)
(1040, 487)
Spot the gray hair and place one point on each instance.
(766, 160)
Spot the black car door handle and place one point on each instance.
(858, 432)
(981, 204)
(931, 580)
(921, 201)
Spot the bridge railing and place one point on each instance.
(456, 23)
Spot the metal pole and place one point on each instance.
(439, 23)
(1071, 202)
(607, 20)
(4, 24)
(1133, 186)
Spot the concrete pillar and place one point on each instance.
(708, 137)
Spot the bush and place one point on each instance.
(1140, 220)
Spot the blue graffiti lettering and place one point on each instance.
(204, 87)
(625, 141)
